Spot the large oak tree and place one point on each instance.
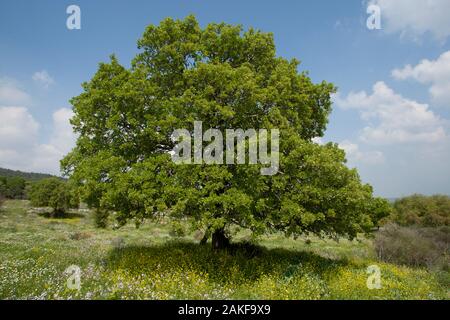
(227, 78)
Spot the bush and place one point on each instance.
(54, 193)
(177, 229)
(432, 211)
(12, 187)
(414, 246)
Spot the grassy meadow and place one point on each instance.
(153, 263)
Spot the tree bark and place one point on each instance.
(220, 240)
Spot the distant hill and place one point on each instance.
(30, 176)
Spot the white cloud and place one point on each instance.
(20, 145)
(392, 118)
(18, 137)
(61, 142)
(436, 73)
(317, 140)
(19, 140)
(43, 78)
(17, 129)
(63, 137)
(11, 94)
(355, 155)
(415, 18)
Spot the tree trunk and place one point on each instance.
(58, 213)
(204, 240)
(220, 240)
(206, 236)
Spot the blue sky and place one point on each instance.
(391, 119)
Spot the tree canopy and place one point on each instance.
(54, 193)
(226, 77)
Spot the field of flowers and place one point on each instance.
(152, 263)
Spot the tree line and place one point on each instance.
(51, 192)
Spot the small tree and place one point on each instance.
(12, 187)
(54, 193)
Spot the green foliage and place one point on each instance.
(54, 193)
(12, 187)
(227, 78)
(177, 229)
(429, 211)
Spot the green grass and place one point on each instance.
(147, 263)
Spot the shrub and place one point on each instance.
(177, 229)
(413, 246)
(12, 187)
(54, 193)
(421, 210)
